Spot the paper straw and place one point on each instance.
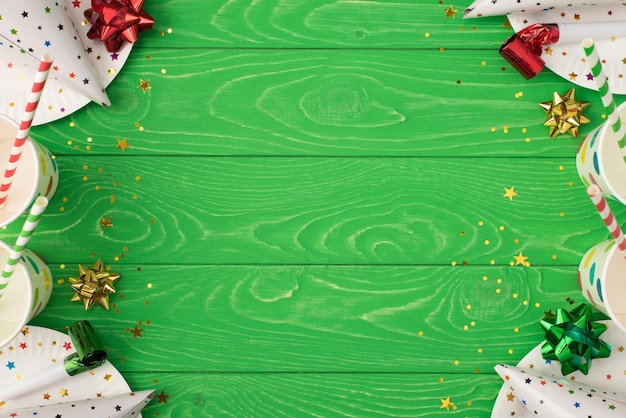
(22, 240)
(22, 133)
(605, 93)
(607, 216)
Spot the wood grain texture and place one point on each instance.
(413, 319)
(309, 217)
(320, 24)
(320, 102)
(318, 211)
(318, 395)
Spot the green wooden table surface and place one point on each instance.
(309, 216)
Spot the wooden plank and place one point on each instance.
(318, 211)
(322, 24)
(416, 319)
(320, 102)
(316, 395)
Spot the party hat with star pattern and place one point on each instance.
(551, 396)
(114, 406)
(29, 29)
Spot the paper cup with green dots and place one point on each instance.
(37, 173)
(600, 161)
(602, 282)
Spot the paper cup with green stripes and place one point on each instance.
(26, 295)
(599, 161)
(602, 282)
(37, 173)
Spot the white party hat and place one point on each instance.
(115, 406)
(552, 396)
(30, 29)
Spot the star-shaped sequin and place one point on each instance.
(106, 222)
(144, 85)
(509, 192)
(446, 403)
(450, 11)
(565, 114)
(136, 332)
(122, 143)
(162, 397)
(520, 259)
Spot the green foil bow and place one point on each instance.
(572, 338)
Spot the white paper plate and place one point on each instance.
(614, 365)
(568, 60)
(40, 347)
(57, 99)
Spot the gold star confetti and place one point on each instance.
(106, 222)
(136, 332)
(510, 397)
(565, 114)
(446, 403)
(107, 377)
(450, 11)
(520, 259)
(122, 143)
(94, 285)
(162, 397)
(572, 76)
(510, 192)
(63, 392)
(144, 85)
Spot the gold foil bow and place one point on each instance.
(93, 285)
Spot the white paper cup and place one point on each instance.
(37, 173)
(26, 295)
(599, 161)
(602, 280)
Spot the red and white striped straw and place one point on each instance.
(24, 128)
(607, 216)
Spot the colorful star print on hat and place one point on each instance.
(548, 396)
(28, 30)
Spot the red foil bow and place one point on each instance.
(523, 50)
(116, 21)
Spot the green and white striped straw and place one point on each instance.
(22, 240)
(605, 93)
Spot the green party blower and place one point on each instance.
(89, 355)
